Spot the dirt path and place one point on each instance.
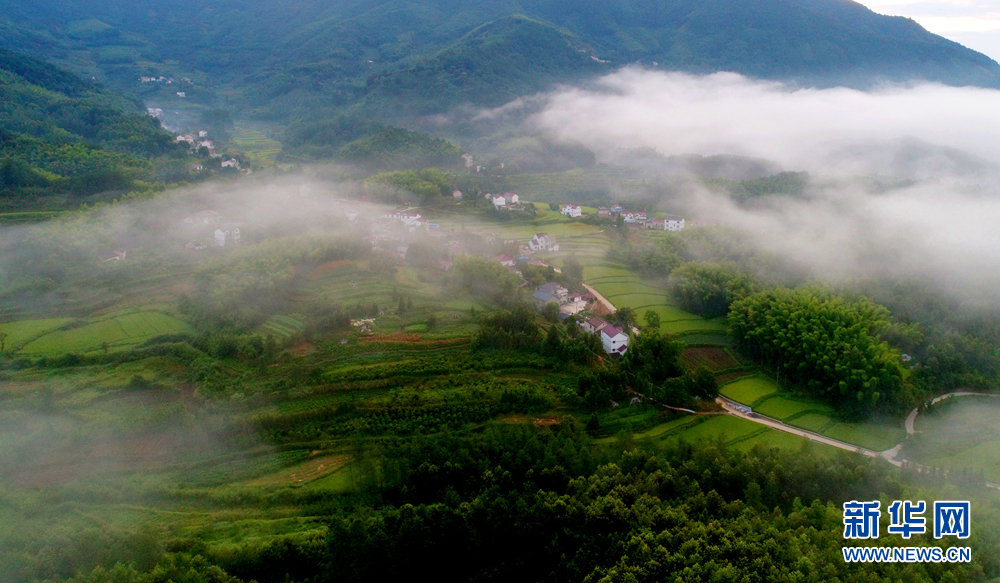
(611, 307)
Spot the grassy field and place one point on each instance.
(961, 432)
(749, 390)
(711, 358)
(785, 408)
(764, 396)
(115, 332)
(19, 333)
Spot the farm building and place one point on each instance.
(593, 325)
(542, 242)
(571, 210)
(614, 339)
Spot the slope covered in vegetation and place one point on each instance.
(63, 134)
(431, 54)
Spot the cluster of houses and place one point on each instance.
(569, 303)
(412, 221)
(613, 338)
(639, 218)
(507, 201)
(198, 140)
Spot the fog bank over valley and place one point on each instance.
(930, 150)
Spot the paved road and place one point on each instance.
(890, 455)
(912, 417)
(728, 405)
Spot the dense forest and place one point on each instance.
(396, 59)
(539, 505)
(62, 134)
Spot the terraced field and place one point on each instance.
(115, 332)
(257, 146)
(749, 390)
(711, 358)
(282, 327)
(764, 396)
(21, 332)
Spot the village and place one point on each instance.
(433, 247)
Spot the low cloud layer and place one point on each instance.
(820, 130)
(940, 228)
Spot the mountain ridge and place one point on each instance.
(312, 58)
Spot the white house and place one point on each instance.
(467, 158)
(673, 224)
(571, 210)
(220, 237)
(505, 260)
(542, 242)
(499, 200)
(614, 339)
(231, 163)
(634, 217)
(511, 198)
(411, 219)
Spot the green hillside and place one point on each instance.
(61, 134)
(399, 57)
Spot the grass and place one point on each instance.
(782, 407)
(120, 331)
(749, 390)
(23, 331)
(874, 436)
(780, 439)
(728, 427)
(961, 432)
(711, 358)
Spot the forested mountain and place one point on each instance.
(60, 133)
(402, 57)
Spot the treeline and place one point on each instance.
(825, 344)
(790, 183)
